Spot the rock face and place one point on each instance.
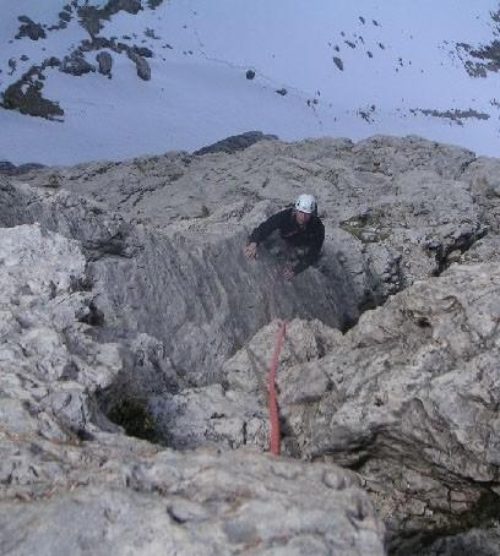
(26, 93)
(141, 64)
(144, 317)
(60, 469)
(9, 169)
(105, 61)
(75, 64)
(420, 414)
(236, 143)
(30, 29)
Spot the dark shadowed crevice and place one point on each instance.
(445, 255)
(483, 515)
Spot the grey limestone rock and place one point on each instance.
(59, 470)
(144, 311)
(411, 388)
(202, 503)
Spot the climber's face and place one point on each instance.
(302, 218)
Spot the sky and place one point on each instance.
(401, 67)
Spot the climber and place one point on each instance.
(301, 236)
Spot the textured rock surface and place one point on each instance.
(105, 61)
(30, 29)
(9, 169)
(143, 311)
(475, 541)
(395, 210)
(141, 64)
(235, 143)
(145, 279)
(125, 498)
(410, 399)
(48, 361)
(59, 472)
(75, 64)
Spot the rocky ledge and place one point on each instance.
(136, 339)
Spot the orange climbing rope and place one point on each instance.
(273, 396)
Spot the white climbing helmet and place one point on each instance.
(306, 203)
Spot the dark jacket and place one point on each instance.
(311, 236)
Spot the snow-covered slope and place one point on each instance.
(186, 73)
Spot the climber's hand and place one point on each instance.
(250, 250)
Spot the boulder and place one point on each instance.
(141, 64)
(25, 95)
(30, 29)
(75, 64)
(115, 6)
(105, 61)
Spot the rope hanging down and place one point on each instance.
(273, 397)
